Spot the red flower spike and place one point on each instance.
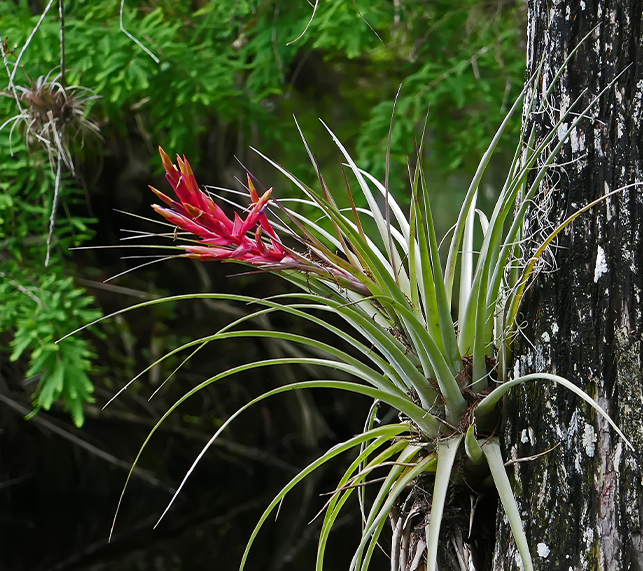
(254, 197)
(256, 213)
(183, 222)
(164, 197)
(263, 221)
(215, 212)
(222, 238)
(278, 248)
(259, 242)
(194, 213)
(170, 169)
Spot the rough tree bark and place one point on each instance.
(582, 503)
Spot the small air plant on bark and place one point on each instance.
(445, 377)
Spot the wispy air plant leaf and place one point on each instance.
(382, 273)
(371, 421)
(329, 200)
(396, 365)
(380, 221)
(359, 174)
(487, 404)
(526, 274)
(395, 235)
(396, 354)
(449, 275)
(407, 456)
(428, 349)
(466, 270)
(476, 335)
(345, 362)
(422, 269)
(390, 431)
(349, 483)
(425, 466)
(415, 413)
(400, 218)
(441, 297)
(484, 221)
(510, 191)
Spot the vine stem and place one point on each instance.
(6, 65)
(54, 206)
(132, 37)
(61, 11)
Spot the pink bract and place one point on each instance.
(222, 238)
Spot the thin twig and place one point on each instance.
(116, 289)
(530, 458)
(25, 291)
(367, 22)
(31, 36)
(451, 71)
(14, 481)
(54, 206)
(312, 17)
(131, 37)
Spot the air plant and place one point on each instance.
(446, 378)
(53, 116)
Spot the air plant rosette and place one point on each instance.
(445, 377)
(53, 115)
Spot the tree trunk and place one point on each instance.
(582, 503)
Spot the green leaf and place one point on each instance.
(472, 446)
(492, 452)
(447, 450)
(394, 485)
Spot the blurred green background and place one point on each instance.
(208, 79)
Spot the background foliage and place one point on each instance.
(230, 74)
